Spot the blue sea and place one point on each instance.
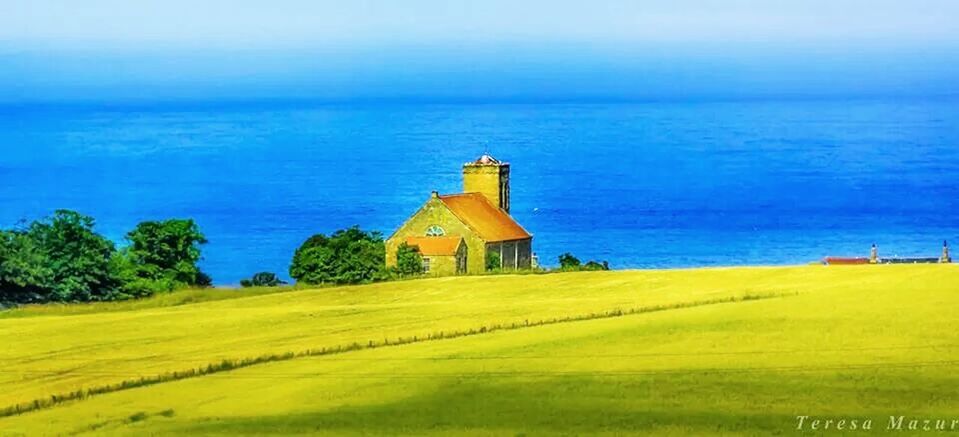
(642, 185)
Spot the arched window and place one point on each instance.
(435, 231)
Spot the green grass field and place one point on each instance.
(710, 351)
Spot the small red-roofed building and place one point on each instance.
(469, 232)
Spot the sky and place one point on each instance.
(106, 50)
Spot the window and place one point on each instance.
(426, 265)
(435, 231)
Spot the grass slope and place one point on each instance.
(855, 341)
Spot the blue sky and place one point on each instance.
(532, 49)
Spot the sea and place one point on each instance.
(642, 185)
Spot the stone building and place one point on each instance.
(456, 232)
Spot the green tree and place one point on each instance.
(25, 271)
(162, 255)
(568, 262)
(79, 257)
(59, 258)
(348, 256)
(262, 279)
(409, 262)
(134, 280)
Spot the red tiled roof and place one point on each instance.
(491, 223)
(436, 246)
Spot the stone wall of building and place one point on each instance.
(436, 213)
(442, 265)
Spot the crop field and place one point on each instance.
(706, 351)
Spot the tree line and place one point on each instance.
(62, 258)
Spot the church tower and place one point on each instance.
(490, 177)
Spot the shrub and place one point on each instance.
(262, 279)
(348, 256)
(203, 280)
(493, 261)
(593, 265)
(409, 262)
(568, 262)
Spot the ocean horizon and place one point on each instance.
(650, 184)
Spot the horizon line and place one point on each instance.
(120, 103)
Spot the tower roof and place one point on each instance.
(487, 159)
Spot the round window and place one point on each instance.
(435, 231)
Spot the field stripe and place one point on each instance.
(614, 373)
(933, 346)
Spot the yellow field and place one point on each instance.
(740, 350)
